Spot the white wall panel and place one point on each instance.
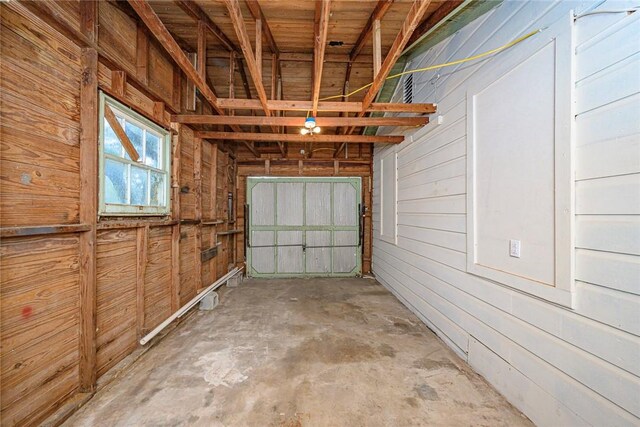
(561, 366)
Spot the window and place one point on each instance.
(130, 187)
(388, 202)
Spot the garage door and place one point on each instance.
(301, 227)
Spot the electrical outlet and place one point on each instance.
(514, 248)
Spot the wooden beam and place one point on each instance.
(235, 14)
(377, 47)
(157, 28)
(417, 11)
(39, 230)
(352, 107)
(88, 215)
(120, 133)
(323, 9)
(297, 121)
(240, 136)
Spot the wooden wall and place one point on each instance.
(77, 291)
(559, 365)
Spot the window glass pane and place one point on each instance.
(115, 182)
(135, 135)
(138, 186)
(111, 142)
(152, 155)
(157, 189)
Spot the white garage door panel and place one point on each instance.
(304, 227)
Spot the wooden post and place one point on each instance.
(142, 56)
(88, 215)
(232, 78)
(377, 47)
(119, 84)
(274, 76)
(175, 268)
(202, 49)
(142, 243)
(259, 46)
(197, 178)
(89, 19)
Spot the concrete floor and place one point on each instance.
(313, 352)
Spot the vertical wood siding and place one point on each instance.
(559, 366)
(145, 270)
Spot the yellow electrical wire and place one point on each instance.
(446, 64)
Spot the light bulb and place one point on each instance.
(304, 131)
(316, 129)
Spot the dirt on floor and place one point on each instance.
(300, 352)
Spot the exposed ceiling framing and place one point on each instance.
(306, 41)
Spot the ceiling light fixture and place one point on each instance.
(310, 127)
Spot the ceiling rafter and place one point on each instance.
(417, 11)
(378, 13)
(305, 105)
(198, 119)
(199, 15)
(415, 15)
(321, 30)
(160, 32)
(355, 139)
(235, 14)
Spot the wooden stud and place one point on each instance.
(197, 176)
(157, 28)
(142, 55)
(267, 167)
(142, 244)
(193, 10)
(119, 84)
(274, 76)
(202, 50)
(377, 47)
(175, 268)
(235, 15)
(120, 133)
(89, 19)
(247, 136)
(88, 215)
(256, 13)
(259, 46)
(158, 112)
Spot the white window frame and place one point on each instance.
(113, 209)
(389, 236)
(561, 34)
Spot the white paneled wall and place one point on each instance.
(560, 366)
